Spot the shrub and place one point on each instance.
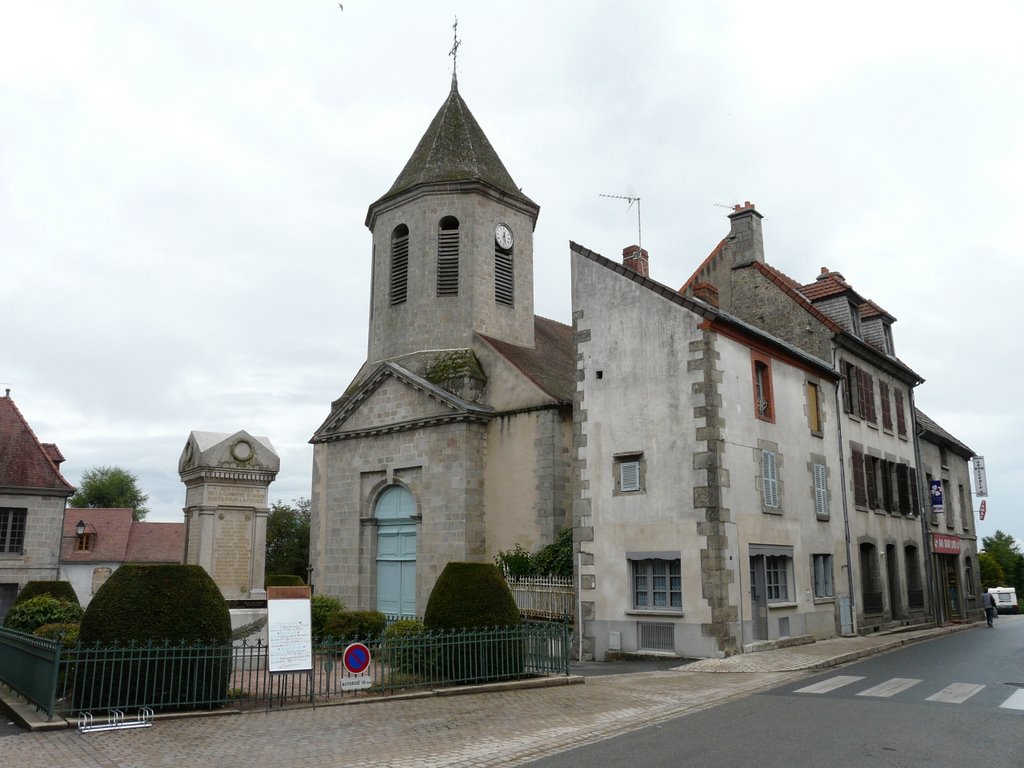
(59, 589)
(29, 615)
(404, 646)
(164, 605)
(321, 608)
(348, 625)
(475, 596)
(470, 595)
(517, 562)
(66, 633)
(556, 558)
(284, 581)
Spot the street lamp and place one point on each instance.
(80, 528)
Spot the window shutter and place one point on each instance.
(915, 500)
(400, 266)
(448, 262)
(629, 476)
(820, 491)
(901, 416)
(871, 478)
(769, 479)
(503, 277)
(883, 395)
(859, 495)
(903, 487)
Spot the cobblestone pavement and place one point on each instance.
(499, 728)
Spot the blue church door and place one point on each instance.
(396, 552)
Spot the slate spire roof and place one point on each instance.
(454, 148)
(24, 461)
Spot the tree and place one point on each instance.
(1004, 549)
(991, 572)
(288, 539)
(110, 488)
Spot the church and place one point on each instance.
(453, 440)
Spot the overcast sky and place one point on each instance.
(183, 187)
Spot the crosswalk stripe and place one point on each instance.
(955, 693)
(1016, 701)
(831, 684)
(890, 687)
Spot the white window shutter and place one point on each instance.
(629, 476)
(769, 479)
(820, 491)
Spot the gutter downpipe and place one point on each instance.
(924, 515)
(846, 509)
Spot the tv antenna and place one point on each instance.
(631, 198)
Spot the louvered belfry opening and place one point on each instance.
(399, 265)
(503, 275)
(448, 257)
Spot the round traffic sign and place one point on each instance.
(356, 658)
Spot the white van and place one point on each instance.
(1005, 599)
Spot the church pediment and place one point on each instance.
(394, 399)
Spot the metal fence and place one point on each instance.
(543, 597)
(166, 676)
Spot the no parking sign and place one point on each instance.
(356, 660)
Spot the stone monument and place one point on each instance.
(226, 478)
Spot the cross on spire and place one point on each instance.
(454, 52)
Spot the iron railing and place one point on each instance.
(167, 676)
(915, 599)
(543, 597)
(873, 603)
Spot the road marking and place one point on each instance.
(890, 687)
(1016, 701)
(955, 693)
(830, 684)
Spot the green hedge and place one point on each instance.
(158, 604)
(59, 589)
(348, 625)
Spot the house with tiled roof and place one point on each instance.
(896, 576)
(33, 494)
(708, 514)
(96, 542)
(452, 441)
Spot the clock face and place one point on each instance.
(503, 236)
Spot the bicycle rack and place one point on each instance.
(115, 721)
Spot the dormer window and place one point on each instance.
(890, 348)
(83, 543)
(855, 328)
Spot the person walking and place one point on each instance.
(988, 602)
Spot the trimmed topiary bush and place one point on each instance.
(66, 633)
(283, 580)
(475, 596)
(321, 608)
(58, 589)
(29, 615)
(158, 605)
(471, 595)
(348, 625)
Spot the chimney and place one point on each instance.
(706, 292)
(747, 245)
(634, 257)
(826, 273)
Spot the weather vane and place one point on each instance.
(631, 198)
(454, 52)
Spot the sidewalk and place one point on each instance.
(499, 725)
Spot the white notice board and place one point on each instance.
(289, 629)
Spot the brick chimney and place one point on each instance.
(634, 257)
(746, 242)
(706, 292)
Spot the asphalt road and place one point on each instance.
(957, 700)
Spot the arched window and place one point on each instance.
(396, 552)
(448, 257)
(399, 264)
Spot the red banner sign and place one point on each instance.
(981, 512)
(944, 544)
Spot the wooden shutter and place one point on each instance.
(883, 395)
(871, 478)
(448, 262)
(769, 479)
(629, 476)
(503, 277)
(901, 416)
(903, 488)
(820, 491)
(400, 266)
(859, 495)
